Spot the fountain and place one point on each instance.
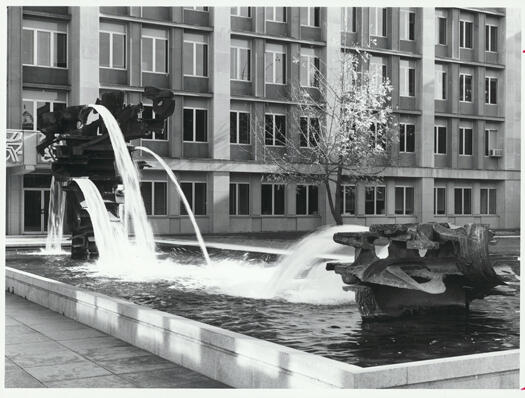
(89, 141)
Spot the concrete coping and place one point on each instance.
(239, 360)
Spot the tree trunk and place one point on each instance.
(336, 214)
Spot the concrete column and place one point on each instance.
(14, 67)
(255, 195)
(454, 33)
(479, 93)
(426, 143)
(450, 198)
(453, 88)
(176, 52)
(175, 126)
(395, 82)
(134, 51)
(290, 202)
(294, 22)
(220, 206)
(258, 18)
(479, 37)
(394, 23)
(478, 144)
(328, 218)
(512, 102)
(258, 127)
(220, 134)
(425, 200)
(83, 59)
(360, 199)
(508, 210)
(258, 66)
(390, 197)
(173, 199)
(177, 14)
(14, 199)
(134, 11)
(476, 198)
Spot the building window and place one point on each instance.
(349, 19)
(155, 196)
(240, 55)
(310, 16)
(149, 114)
(407, 137)
(407, 79)
(440, 83)
(487, 201)
(348, 199)
(306, 200)
(275, 14)
(491, 38)
(441, 34)
(408, 24)
(491, 90)
(377, 71)
(44, 44)
(404, 200)
(112, 46)
(439, 200)
(195, 193)
(309, 68)
(375, 200)
(465, 34)
(378, 21)
(462, 200)
(465, 87)
(272, 199)
(241, 12)
(309, 131)
(274, 129)
(203, 9)
(195, 125)
(239, 199)
(239, 127)
(195, 55)
(36, 103)
(490, 140)
(154, 50)
(275, 64)
(440, 140)
(465, 141)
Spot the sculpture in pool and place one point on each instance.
(81, 147)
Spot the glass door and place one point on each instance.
(36, 208)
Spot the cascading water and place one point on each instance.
(134, 204)
(112, 244)
(184, 200)
(55, 221)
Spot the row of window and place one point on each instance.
(273, 199)
(465, 141)
(465, 86)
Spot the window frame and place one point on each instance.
(274, 74)
(309, 11)
(274, 184)
(463, 38)
(463, 189)
(463, 94)
(410, 27)
(375, 187)
(52, 49)
(462, 136)
(196, 8)
(404, 91)
(437, 130)
(194, 61)
(274, 140)
(491, 135)
(192, 203)
(153, 182)
(488, 190)
(345, 18)
(488, 43)
(405, 135)
(307, 204)
(316, 65)
(237, 128)
(384, 26)
(238, 14)
(285, 17)
(443, 81)
(194, 109)
(34, 110)
(154, 54)
(344, 188)
(238, 59)
(438, 35)
(111, 61)
(308, 131)
(404, 188)
(237, 199)
(166, 127)
(436, 200)
(488, 90)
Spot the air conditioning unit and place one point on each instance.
(495, 153)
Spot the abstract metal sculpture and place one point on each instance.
(79, 145)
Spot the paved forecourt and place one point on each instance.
(46, 349)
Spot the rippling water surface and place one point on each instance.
(333, 331)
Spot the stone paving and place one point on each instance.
(46, 349)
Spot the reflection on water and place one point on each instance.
(333, 331)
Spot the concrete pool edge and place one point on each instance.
(246, 362)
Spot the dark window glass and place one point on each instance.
(188, 125)
(233, 127)
(304, 131)
(444, 85)
(400, 200)
(268, 129)
(402, 146)
(244, 199)
(492, 201)
(187, 189)
(147, 54)
(119, 51)
(145, 190)
(300, 199)
(493, 91)
(233, 199)
(484, 201)
(266, 199)
(468, 34)
(161, 198)
(494, 38)
(349, 200)
(280, 130)
(244, 128)
(409, 200)
(201, 59)
(458, 201)
(201, 125)
(411, 138)
(161, 59)
(200, 198)
(467, 193)
(442, 30)
(369, 200)
(278, 199)
(468, 141)
(411, 82)
(439, 200)
(411, 25)
(383, 33)
(313, 205)
(487, 142)
(60, 50)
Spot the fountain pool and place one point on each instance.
(228, 295)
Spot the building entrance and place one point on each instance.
(36, 203)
